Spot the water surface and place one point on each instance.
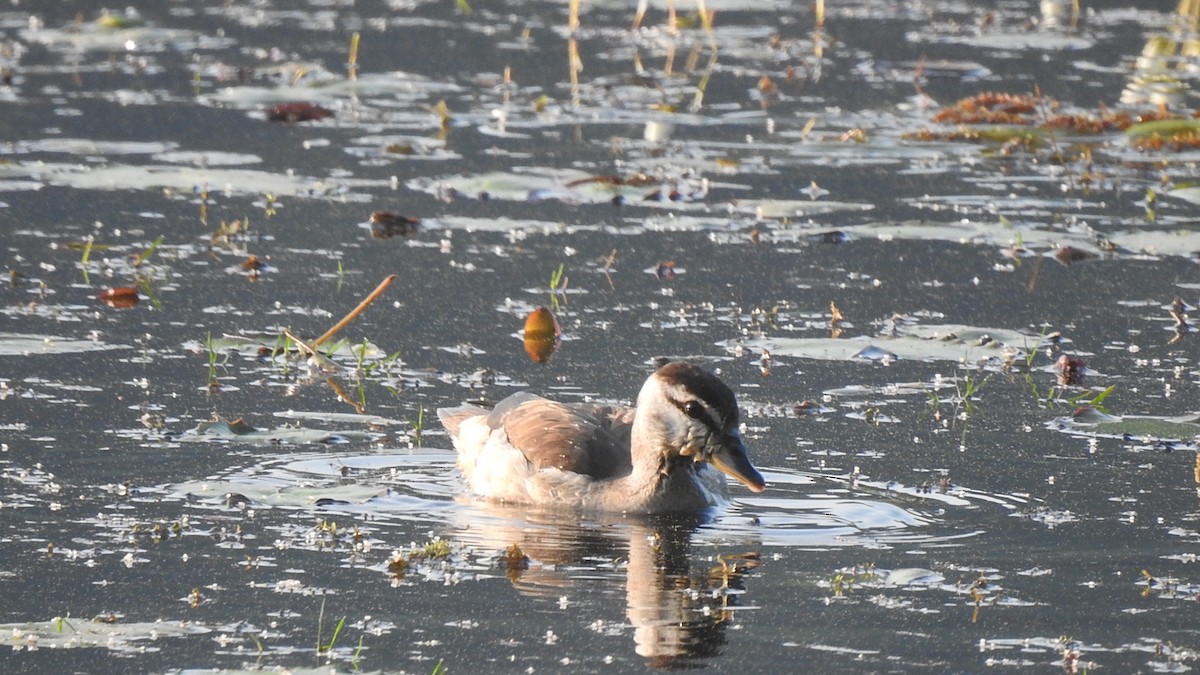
(887, 296)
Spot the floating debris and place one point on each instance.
(122, 297)
(994, 108)
(1070, 370)
(252, 265)
(385, 225)
(1069, 255)
(297, 112)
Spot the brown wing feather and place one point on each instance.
(587, 439)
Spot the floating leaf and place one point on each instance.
(82, 633)
(1165, 134)
(385, 225)
(121, 297)
(259, 493)
(944, 342)
(913, 576)
(19, 344)
(794, 208)
(1173, 127)
(220, 429)
(116, 21)
(1089, 421)
(297, 112)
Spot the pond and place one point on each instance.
(944, 254)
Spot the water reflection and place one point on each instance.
(677, 582)
(1166, 66)
(678, 600)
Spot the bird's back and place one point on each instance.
(532, 449)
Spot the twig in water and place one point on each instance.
(362, 306)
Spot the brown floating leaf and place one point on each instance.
(297, 112)
(541, 335)
(385, 225)
(994, 108)
(121, 297)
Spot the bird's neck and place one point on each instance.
(659, 479)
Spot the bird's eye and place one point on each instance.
(693, 409)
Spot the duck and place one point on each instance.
(670, 453)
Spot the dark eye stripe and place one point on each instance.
(687, 408)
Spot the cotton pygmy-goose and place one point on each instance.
(666, 455)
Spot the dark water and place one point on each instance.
(932, 507)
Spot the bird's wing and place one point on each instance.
(584, 439)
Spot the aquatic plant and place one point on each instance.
(324, 648)
(558, 285)
(213, 383)
(419, 425)
(87, 254)
(1095, 401)
(969, 389)
(436, 548)
(845, 580)
(144, 257)
(227, 233)
(352, 61)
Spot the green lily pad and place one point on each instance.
(276, 494)
(222, 430)
(20, 344)
(795, 208)
(1091, 422)
(943, 342)
(1163, 128)
(77, 633)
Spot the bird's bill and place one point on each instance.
(733, 460)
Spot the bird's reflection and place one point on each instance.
(679, 594)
